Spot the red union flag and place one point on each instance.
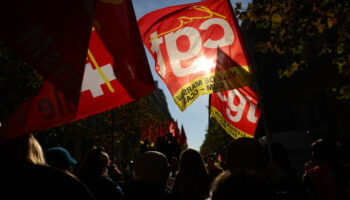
(186, 42)
(236, 111)
(110, 79)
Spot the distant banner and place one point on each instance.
(197, 49)
(236, 111)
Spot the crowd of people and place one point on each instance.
(249, 171)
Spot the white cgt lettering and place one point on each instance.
(251, 113)
(175, 56)
(238, 109)
(228, 33)
(195, 46)
(155, 49)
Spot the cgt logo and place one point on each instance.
(237, 106)
(193, 41)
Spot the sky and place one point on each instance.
(195, 118)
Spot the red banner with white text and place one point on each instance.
(236, 111)
(197, 49)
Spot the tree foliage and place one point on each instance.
(216, 139)
(18, 81)
(117, 130)
(305, 34)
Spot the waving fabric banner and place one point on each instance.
(113, 75)
(197, 49)
(236, 111)
(52, 36)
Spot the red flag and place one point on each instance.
(161, 129)
(150, 133)
(184, 41)
(117, 26)
(236, 111)
(171, 127)
(183, 137)
(176, 133)
(174, 129)
(111, 78)
(53, 37)
(144, 132)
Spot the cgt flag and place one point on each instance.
(184, 40)
(236, 111)
(111, 78)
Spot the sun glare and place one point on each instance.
(204, 64)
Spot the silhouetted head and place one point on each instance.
(191, 162)
(60, 158)
(192, 179)
(151, 166)
(324, 151)
(96, 162)
(246, 154)
(243, 185)
(279, 155)
(24, 149)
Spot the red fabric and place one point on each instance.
(144, 132)
(176, 133)
(112, 77)
(172, 127)
(161, 129)
(324, 181)
(184, 41)
(117, 26)
(53, 37)
(236, 111)
(151, 133)
(183, 137)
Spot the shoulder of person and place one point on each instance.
(49, 181)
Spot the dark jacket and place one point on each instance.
(40, 182)
(149, 190)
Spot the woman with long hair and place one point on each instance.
(23, 171)
(192, 179)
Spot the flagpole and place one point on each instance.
(209, 109)
(266, 130)
(263, 113)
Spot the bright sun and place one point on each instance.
(204, 64)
